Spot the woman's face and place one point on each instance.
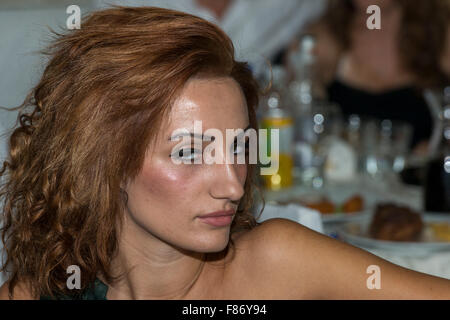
(167, 199)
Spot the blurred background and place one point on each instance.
(363, 114)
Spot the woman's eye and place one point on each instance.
(187, 153)
(241, 147)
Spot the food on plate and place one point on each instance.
(324, 206)
(353, 204)
(441, 230)
(395, 223)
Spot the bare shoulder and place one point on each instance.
(270, 234)
(21, 292)
(275, 233)
(264, 254)
(282, 259)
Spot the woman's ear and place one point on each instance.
(124, 183)
(123, 190)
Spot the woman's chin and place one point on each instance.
(212, 244)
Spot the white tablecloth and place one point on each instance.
(436, 264)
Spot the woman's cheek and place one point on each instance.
(166, 179)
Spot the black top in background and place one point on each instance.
(401, 104)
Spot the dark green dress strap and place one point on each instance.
(95, 291)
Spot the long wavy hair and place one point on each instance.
(84, 128)
(422, 34)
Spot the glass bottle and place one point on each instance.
(307, 99)
(276, 115)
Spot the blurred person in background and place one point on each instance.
(382, 73)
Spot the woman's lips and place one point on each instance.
(218, 218)
(218, 221)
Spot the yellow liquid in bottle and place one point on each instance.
(283, 178)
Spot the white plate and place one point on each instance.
(355, 233)
(344, 217)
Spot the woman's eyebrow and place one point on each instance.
(198, 136)
(192, 135)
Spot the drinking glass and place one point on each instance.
(323, 120)
(384, 147)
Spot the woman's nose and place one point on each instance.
(227, 183)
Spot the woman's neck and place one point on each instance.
(152, 268)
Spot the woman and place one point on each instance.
(382, 73)
(92, 182)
